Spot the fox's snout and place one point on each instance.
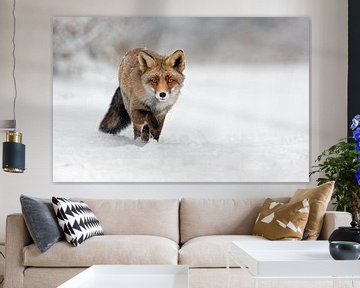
(162, 95)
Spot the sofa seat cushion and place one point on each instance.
(107, 249)
(211, 251)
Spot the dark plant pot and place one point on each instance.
(343, 250)
(351, 233)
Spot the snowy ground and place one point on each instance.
(231, 124)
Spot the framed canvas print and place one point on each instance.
(180, 99)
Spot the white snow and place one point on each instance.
(244, 123)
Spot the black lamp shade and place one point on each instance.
(13, 157)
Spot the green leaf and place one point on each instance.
(338, 163)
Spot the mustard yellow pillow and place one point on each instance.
(319, 198)
(279, 221)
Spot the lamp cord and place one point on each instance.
(14, 61)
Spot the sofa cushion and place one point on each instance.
(319, 198)
(107, 249)
(158, 217)
(77, 220)
(211, 251)
(279, 221)
(201, 217)
(41, 221)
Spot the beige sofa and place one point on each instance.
(194, 232)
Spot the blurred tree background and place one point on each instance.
(80, 41)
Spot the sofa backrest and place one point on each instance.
(200, 217)
(159, 217)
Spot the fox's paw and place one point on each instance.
(143, 137)
(145, 133)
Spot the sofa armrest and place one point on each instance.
(333, 220)
(17, 237)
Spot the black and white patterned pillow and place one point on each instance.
(77, 220)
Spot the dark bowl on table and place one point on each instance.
(344, 250)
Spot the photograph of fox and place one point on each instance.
(181, 99)
(149, 85)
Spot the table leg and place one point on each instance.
(355, 283)
(228, 270)
(255, 283)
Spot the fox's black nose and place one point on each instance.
(162, 94)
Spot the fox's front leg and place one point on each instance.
(141, 125)
(156, 123)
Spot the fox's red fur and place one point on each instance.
(149, 85)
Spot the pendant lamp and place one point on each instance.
(13, 160)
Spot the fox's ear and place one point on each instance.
(176, 60)
(146, 61)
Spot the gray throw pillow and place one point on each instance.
(41, 221)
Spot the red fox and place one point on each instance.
(149, 85)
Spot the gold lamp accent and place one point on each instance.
(14, 136)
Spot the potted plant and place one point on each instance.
(341, 163)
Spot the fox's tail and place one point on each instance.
(116, 118)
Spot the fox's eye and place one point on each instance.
(154, 80)
(170, 80)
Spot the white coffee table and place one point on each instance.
(285, 260)
(131, 276)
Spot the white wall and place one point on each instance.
(34, 69)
